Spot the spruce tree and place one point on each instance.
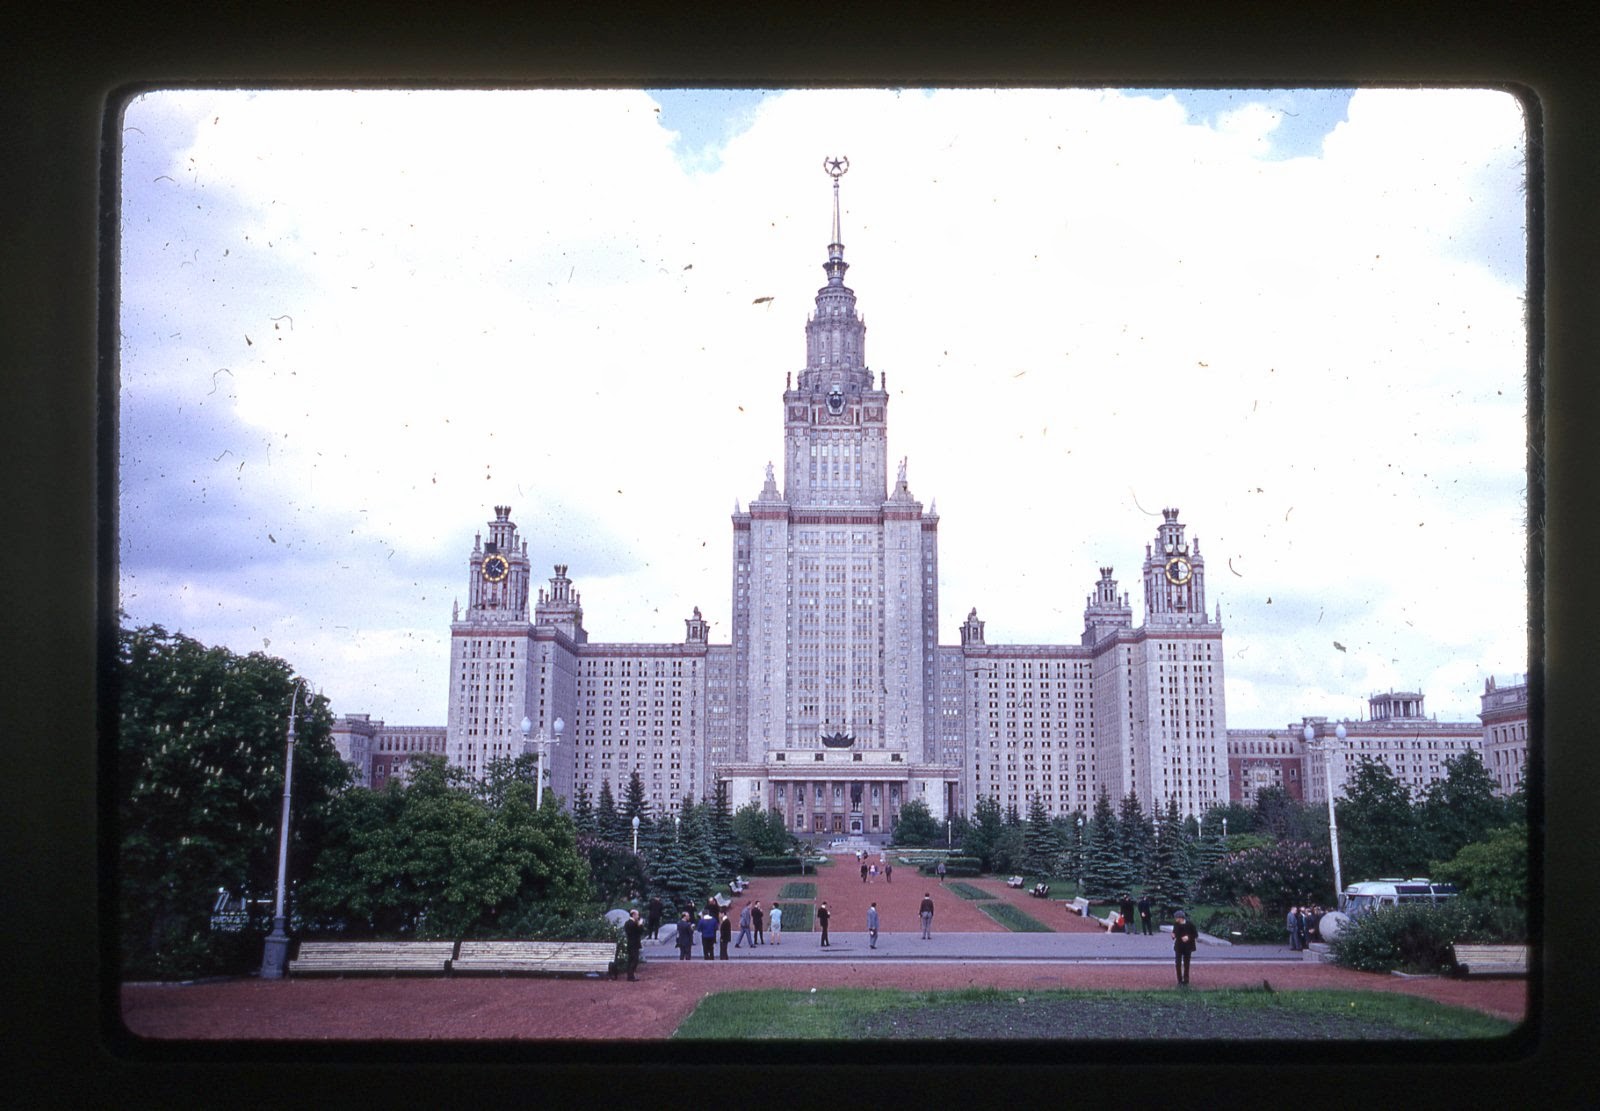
(1169, 862)
(583, 811)
(725, 846)
(1105, 871)
(671, 876)
(1135, 833)
(695, 841)
(608, 823)
(1040, 844)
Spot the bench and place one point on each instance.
(737, 885)
(1109, 921)
(1079, 906)
(1015, 881)
(535, 957)
(1491, 960)
(339, 958)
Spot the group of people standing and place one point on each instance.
(1126, 908)
(714, 928)
(871, 871)
(1302, 923)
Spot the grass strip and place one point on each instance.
(988, 1013)
(1013, 919)
(798, 891)
(797, 917)
(967, 891)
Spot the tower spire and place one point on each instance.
(836, 168)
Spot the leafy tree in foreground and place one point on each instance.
(1379, 830)
(201, 737)
(1494, 869)
(1460, 808)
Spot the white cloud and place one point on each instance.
(1087, 309)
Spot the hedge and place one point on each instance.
(775, 866)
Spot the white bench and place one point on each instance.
(1079, 906)
(535, 957)
(1491, 960)
(1015, 881)
(337, 958)
(1109, 921)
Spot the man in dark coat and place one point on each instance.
(1184, 937)
(632, 932)
(708, 935)
(725, 929)
(685, 936)
(822, 920)
(1144, 914)
(758, 922)
(1125, 909)
(653, 917)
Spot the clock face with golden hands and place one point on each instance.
(1179, 570)
(495, 568)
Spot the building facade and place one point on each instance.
(834, 703)
(378, 753)
(1505, 731)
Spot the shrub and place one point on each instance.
(797, 917)
(1244, 924)
(798, 890)
(1280, 875)
(775, 866)
(1417, 938)
(954, 866)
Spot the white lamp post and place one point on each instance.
(538, 754)
(275, 955)
(636, 834)
(1333, 823)
(1080, 856)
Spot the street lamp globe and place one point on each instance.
(636, 833)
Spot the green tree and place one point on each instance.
(672, 874)
(1135, 833)
(201, 741)
(609, 824)
(761, 832)
(1105, 869)
(916, 826)
(1460, 808)
(1494, 869)
(1170, 862)
(445, 856)
(1379, 831)
(583, 819)
(982, 836)
(1041, 844)
(724, 845)
(698, 848)
(1241, 818)
(1285, 817)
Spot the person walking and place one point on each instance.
(888, 872)
(822, 920)
(632, 933)
(757, 920)
(775, 923)
(653, 918)
(1184, 936)
(745, 918)
(926, 911)
(872, 926)
(685, 936)
(708, 935)
(863, 871)
(725, 930)
(940, 871)
(1144, 913)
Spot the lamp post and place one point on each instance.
(538, 754)
(949, 835)
(1333, 823)
(275, 954)
(1080, 855)
(636, 835)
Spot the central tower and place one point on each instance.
(835, 601)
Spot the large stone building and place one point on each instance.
(834, 702)
(1396, 733)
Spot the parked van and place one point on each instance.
(1360, 898)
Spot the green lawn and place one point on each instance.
(798, 891)
(852, 1013)
(797, 917)
(1014, 920)
(967, 891)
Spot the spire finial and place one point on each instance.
(836, 168)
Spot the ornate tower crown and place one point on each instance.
(836, 352)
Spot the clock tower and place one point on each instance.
(1174, 577)
(490, 647)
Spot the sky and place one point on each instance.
(353, 322)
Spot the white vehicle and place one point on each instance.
(1359, 898)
